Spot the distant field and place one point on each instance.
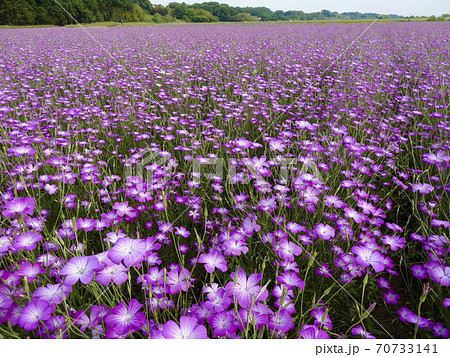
(113, 24)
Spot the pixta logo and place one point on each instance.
(154, 167)
(157, 167)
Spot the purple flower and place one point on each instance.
(446, 302)
(395, 227)
(131, 251)
(368, 257)
(390, 297)
(347, 184)
(324, 270)
(188, 329)
(250, 226)
(116, 273)
(247, 291)
(419, 271)
(218, 301)
(355, 215)
(154, 277)
(322, 318)
(211, 291)
(96, 313)
(53, 294)
(366, 207)
(439, 330)
(86, 224)
(166, 227)
(159, 303)
(56, 323)
(213, 260)
(257, 317)
(73, 112)
(395, 242)
(242, 143)
(421, 322)
(422, 188)
(5, 302)
(268, 205)
(47, 260)
(281, 322)
(22, 150)
(294, 227)
(51, 189)
(125, 319)
(313, 332)
(324, 231)
(179, 280)
(359, 330)
(181, 231)
(113, 237)
(122, 209)
(276, 145)
(223, 323)
(405, 314)
(27, 240)
(193, 184)
(80, 268)
(183, 248)
(21, 205)
(334, 201)
(31, 271)
(235, 247)
(288, 250)
(439, 223)
(5, 244)
(440, 274)
(291, 280)
(436, 159)
(202, 312)
(33, 313)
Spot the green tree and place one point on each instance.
(208, 6)
(162, 10)
(80, 12)
(225, 12)
(295, 15)
(137, 14)
(54, 14)
(201, 15)
(145, 5)
(18, 12)
(180, 10)
(326, 13)
(243, 17)
(280, 14)
(269, 17)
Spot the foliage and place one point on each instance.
(39, 12)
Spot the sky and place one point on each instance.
(398, 7)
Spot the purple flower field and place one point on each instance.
(225, 181)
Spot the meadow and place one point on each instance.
(225, 181)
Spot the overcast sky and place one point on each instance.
(399, 7)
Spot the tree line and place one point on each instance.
(48, 12)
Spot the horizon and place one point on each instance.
(396, 7)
